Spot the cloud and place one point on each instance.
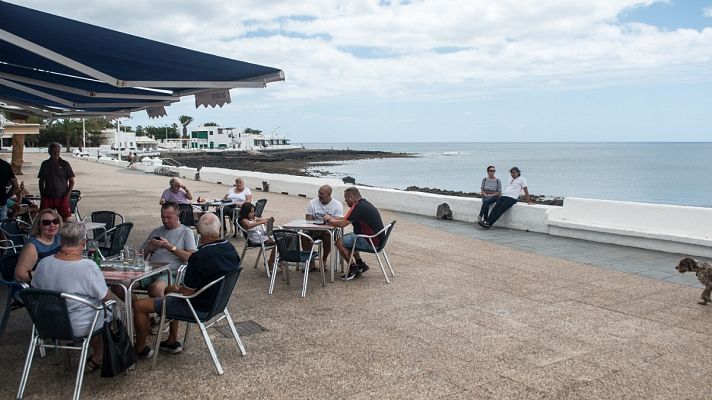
(707, 11)
(420, 48)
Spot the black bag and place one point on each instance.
(119, 353)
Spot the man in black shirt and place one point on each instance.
(215, 258)
(7, 178)
(366, 220)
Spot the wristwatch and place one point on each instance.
(173, 249)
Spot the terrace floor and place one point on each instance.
(494, 314)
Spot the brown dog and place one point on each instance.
(704, 274)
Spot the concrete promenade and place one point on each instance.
(470, 314)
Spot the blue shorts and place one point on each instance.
(146, 282)
(175, 308)
(361, 244)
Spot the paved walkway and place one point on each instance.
(463, 318)
(631, 260)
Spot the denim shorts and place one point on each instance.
(361, 244)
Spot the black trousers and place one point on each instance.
(503, 204)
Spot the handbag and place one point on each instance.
(119, 354)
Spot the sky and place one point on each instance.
(442, 70)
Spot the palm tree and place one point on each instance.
(185, 120)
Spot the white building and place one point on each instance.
(211, 137)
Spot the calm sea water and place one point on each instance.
(668, 173)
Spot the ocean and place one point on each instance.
(664, 173)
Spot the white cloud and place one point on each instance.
(490, 45)
(707, 11)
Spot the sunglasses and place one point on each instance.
(48, 222)
(491, 170)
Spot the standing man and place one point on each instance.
(56, 182)
(7, 178)
(366, 220)
(171, 243)
(317, 209)
(215, 258)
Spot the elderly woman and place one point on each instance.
(510, 196)
(67, 271)
(44, 241)
(490, 189)
(238, 194)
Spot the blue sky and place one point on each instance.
(437, 70)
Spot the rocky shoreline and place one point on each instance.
(305, 162)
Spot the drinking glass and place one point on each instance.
(138, 260)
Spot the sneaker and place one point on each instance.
(147, 352)
(484, 224)
(479, 218)
(173, 348)
(353, 272)
(362, 267)
(155, 324)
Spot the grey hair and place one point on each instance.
(209, 225)
(73, 233)
(173, 180)
(53, 145)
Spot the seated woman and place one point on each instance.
(44, 241)
(67, 271)
(238, 194)
(510, 196)
(256, 231)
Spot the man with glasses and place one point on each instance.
(170, 243)
(56, 182)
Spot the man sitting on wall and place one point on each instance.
(366, 220)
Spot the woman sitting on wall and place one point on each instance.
(510, 196)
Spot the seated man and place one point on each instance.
(366, 221)
(171, 243)
(215, 258)
(319, 207)
(176, 193)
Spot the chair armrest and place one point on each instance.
(204, 288)
(86, 301)
(180, 274)
(385, 228)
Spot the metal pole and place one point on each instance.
(84, 135)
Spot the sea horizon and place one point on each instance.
(650, 172)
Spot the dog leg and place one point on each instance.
(706, 295)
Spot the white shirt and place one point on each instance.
(515, 188)
(318, 210)
(240, 197)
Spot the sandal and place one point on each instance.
(91, 366)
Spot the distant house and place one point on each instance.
(211, 137)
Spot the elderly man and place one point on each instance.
(171, 243)
(176, 193)
(215, 258)
(366, 220)
(56, 182)
(319, 207)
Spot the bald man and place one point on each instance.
(317, 208)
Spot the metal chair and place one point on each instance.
(260, 207)
(108, 218)
(116, 237)
(7, 278)
(248, 246)
(224, 287)
(386, 231)
(13, 238)
(185, 215)
(74, 198)
(51, 324)
(288, 250)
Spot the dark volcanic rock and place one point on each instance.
(537, 199)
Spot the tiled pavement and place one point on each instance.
(647, 263)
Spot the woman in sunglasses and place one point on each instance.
(490, 189)
(510, 196)
(44, 241)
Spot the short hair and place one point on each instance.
(173, 180)
(73, 233)
(489, 167)
(352, 192)
(36, 231)
(170, 204)
(209, 225)
(515, 169)
(328, 188)
(53, 145)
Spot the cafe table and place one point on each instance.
(122, 273)
(334, 232)
(219, 206)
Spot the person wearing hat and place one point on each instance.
(510, 196)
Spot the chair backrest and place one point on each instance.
(49, 314)
(10, 228)
(119, 238)
(74, 198)
(7, 266)
(185, 215)
(259, 207)
(287, 245)
(225, 288)
(386, 234)
(109, 218)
